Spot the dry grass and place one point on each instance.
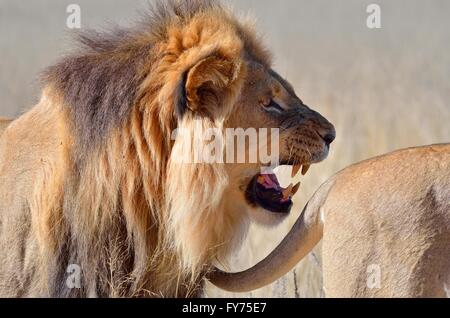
(383, 89)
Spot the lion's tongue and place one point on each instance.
(269, 181)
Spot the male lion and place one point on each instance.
(385, 225)
(94, 200)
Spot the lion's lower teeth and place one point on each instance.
(287, 193)
(296, 188)
(305, 169)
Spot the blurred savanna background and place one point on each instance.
(383, 89)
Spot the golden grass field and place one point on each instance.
(383, 89)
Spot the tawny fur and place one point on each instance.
(386, 226)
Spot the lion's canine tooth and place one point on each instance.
(287, 192)
(295, 170)
(296, 188)
(305, 169)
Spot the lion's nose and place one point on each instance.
(323, 127)
(328, 135)
(329, 138)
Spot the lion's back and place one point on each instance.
(26, 147)
(412, 166)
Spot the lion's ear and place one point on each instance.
(207, 84)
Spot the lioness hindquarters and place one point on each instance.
(387, 227)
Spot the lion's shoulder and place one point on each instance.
(41, 129)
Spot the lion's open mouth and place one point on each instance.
(265, 191)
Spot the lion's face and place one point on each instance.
(220, 84)
(267, 101)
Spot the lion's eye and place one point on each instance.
(272, 105)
